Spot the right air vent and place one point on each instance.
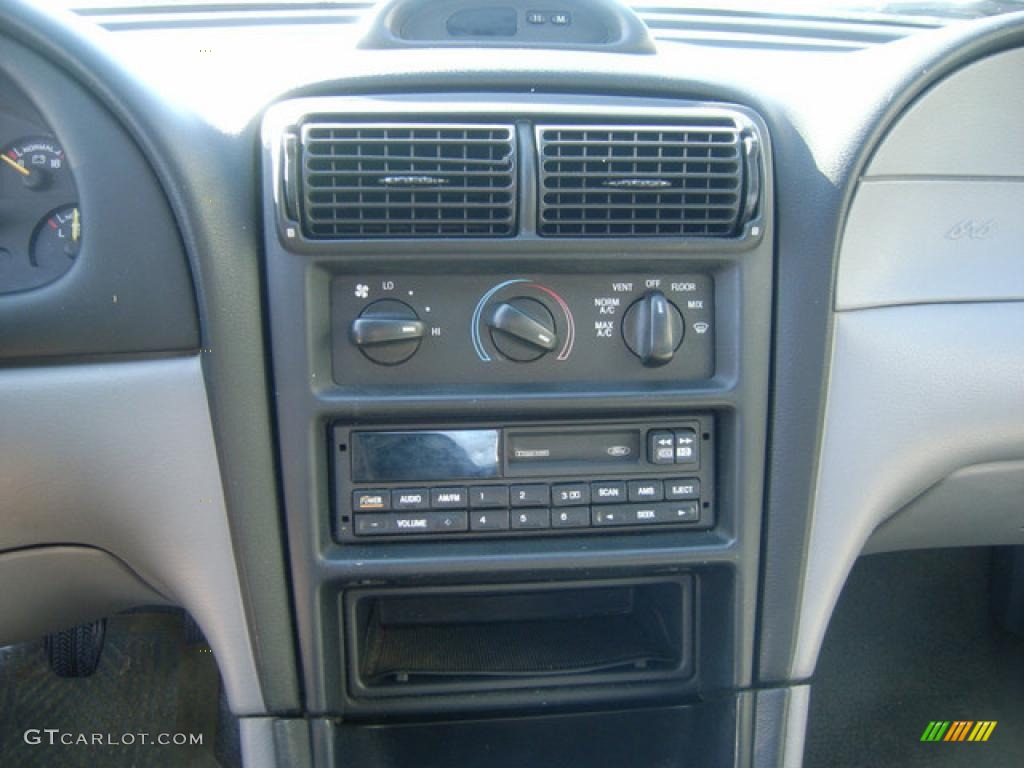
(685, 179)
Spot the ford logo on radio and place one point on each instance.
(618, 450)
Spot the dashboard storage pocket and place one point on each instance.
(450, 639)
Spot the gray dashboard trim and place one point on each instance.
(256, 735)
(54, 587)
(973, 507)
(121, 457)
(916, 393)
(794, 738)
(951, 130)
(916, 240)
(807, 257)
(779, 727)
(130, 290)
(197, 164)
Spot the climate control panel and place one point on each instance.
(458, 329)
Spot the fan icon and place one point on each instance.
(362, 291)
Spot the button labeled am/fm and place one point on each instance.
(448, 498)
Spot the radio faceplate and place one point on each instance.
(522, 480)
(453, 329)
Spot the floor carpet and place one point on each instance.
(912, 641)
(149, 681)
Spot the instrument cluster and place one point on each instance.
(40, 221)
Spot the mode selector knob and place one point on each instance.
(388, 332)
(522, 329)
(653, 329)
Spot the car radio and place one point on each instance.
(506, 480)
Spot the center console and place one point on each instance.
(521, 353)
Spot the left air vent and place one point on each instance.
(376, 180)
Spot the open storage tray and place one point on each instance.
(442, 640)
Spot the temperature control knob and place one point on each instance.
(388, 332)
(522, 329)
(653, 329)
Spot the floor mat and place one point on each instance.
(912, 641)
(149, 687)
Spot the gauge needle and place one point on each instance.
(76, 226)
(19, 168)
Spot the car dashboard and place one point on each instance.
(495, 384)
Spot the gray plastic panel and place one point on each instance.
(916, 393)
(796, 726)
(256, 735)
(130, 289)
(120, 456)
(50, 588)
(967, 125)
(914, 241)
(780, 723)
(976, 506)
(298, 287)
(197, 159)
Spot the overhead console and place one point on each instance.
(517, 340)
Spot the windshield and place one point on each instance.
(951, 9)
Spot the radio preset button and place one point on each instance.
(523, 519)
(686, 446)
(661, 447)
(682, 490)
(448, 498)
(530, 496)
(570, 517)
(488, 496)
(489, 520)
(608, 492)
(410, 498)
(371, 501)
(645, 490)
(570, 495)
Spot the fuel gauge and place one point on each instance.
(57, 239)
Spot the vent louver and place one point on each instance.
(647, 181)
(372, 180)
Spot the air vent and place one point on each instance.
(373, 180)
(623, 180)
